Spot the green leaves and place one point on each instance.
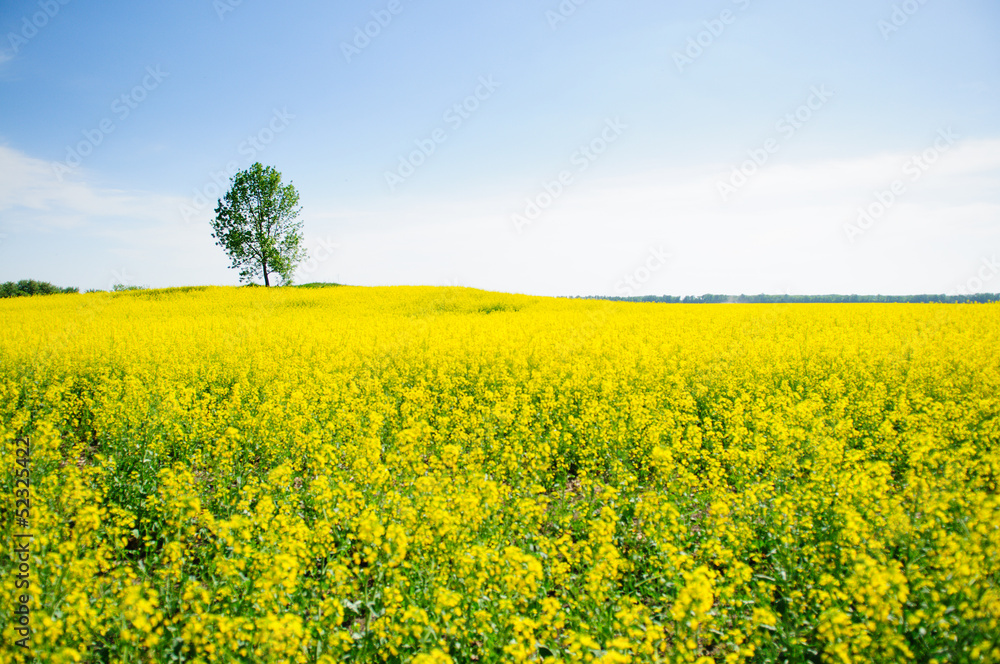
(257, 224)
(27, 287)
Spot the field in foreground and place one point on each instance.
(437, 474)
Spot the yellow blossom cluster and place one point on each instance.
(451, 475)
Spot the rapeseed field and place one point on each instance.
(451, 475)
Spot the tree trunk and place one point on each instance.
(266, 282)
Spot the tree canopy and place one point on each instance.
(27, 287)
(257, 224)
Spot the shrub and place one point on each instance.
(31, 287)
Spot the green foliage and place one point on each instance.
(318, 284)
(142, 292)
(27, 287)
(123, 288)
(257, 224)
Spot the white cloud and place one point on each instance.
(783, 231)
(29, 190)
(86, 232)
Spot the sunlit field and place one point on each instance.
(445, 474)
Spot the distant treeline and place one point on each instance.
(27, 287)
(800, 299)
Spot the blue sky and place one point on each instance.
(540, 147)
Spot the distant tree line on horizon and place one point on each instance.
(980, 298)
(27, 287)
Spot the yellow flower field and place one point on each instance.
(445, 474)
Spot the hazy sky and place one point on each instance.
(581, 147)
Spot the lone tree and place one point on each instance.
(257, 224)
